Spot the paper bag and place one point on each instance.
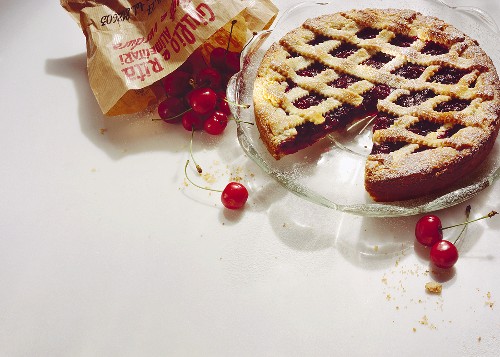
(131, 45)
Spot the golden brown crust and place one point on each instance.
(408, 171)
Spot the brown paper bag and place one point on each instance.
(133, 44)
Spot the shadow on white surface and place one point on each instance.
(119, 136)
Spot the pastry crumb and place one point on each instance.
(433, 287)
(103, 131)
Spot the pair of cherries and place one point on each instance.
(429, 232)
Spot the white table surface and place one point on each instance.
(105, 252)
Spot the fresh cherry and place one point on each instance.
(225, 60)
(209, 77)
(444, 254)
(428, 230)
(233, 62)
(177, 83)
(193, 121)
(222, 103)
(216, 123)
(202, 100)
(171, 109)
(234, 195)
(218, 58)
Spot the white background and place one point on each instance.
(105, 252)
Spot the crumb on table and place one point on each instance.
(434, 287)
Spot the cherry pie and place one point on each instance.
(432, 91)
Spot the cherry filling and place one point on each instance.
(312, 70)
(344, 50)
(424, 127)
(410, 71)
(368, 33)
(370, 98)
(434, 49)
(292, 54)
(290, 85)
(318, 39)
(383, 121)
(452, 131)
(378, 60)
(308, 101)
(308, 133)
(415, 98)
(453, 105)
(344, 81)
(387, 147)
(447, 75)
(339, 117)
(403, 40)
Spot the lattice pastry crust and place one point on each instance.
(434, 93)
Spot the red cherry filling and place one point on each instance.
(424, 127)
(292, 54)
(308, 132)
(344, 81)
(387, 147)
(308, 101)
(383, 121)
(410, 71)
(290, 85)
(434, 49)
(415, 98)
(368, 33)
(452, 105)
(312, 70)
(370, 98)
(452, 131)
(378, 60)
(402, 40)
(344, 50)
(447, 75)
(339, 117)
(318, 39)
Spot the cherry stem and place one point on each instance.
(230, 35)
(241, 121)
(467, 215)
(194, 184)
(253, 35)
(198, 167)
(489, 215)
(246, 106)
(174, 117)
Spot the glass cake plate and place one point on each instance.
(331, 172)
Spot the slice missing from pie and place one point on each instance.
(433, 91)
